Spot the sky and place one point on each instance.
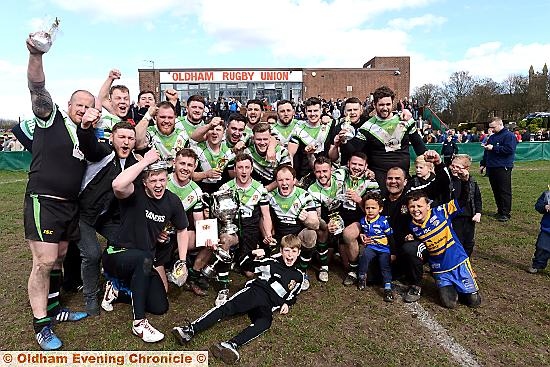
(489, 39)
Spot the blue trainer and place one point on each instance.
(67, 315)
(47, 339)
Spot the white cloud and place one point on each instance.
(426, 21)
(482, 50)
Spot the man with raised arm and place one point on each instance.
(51, 206)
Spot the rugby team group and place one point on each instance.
(146, 180)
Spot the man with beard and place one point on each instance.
(253, 216)
(294, 212)
(264, 168)
(236, 126)
(324, 191)
(254, 113)
(146, 207)
(408, 254)
(283, 128)
(164, 136)
(51, 207)
(387, 136)
(308, 140)
(194, 117)
(354, 184)
(214, 156)
(343, 137)
(99, 211)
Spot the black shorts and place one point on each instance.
(164, 253)
(50, 220)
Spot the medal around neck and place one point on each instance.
(42, 40)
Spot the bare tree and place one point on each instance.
(458, 87)
(429, 95)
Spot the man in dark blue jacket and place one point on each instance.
(498, 160)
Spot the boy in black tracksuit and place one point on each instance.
(464, 224)
(276, 286)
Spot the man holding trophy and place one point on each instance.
(355, 185)
(253, 205)
(51, 206)
(326, 192)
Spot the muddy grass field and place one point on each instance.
(332, 325)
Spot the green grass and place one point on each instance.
(330, 324)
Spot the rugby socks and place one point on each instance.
(305, 258)
(38, 324)
(322, 250)
(56, 278)
(223, 274)
(353, 265)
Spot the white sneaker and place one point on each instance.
(323, 275)
(223, 295)
(305, 283)
(225, 351)
(146, 332)
(111, 294)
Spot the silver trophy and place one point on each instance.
(42, 40)
(348, 128)
(221, 255)
(223, 206)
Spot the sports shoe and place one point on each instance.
(532, 270)
(388, 295)
(225, 351)
(47, 339)
(305, 283)
(323, 275)
(503, 218)
(111, 294)
(183, 334)
(146, 332)
(195, 288)
(362, 283)
(223, 295)
(351, 279)
(413, 294)
(67, 315)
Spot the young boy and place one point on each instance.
(448, 261)
(464, 224)
(435, 183)
(277, 284)
(542, 252)
(377, 236)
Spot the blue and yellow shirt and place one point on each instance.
(444, 248)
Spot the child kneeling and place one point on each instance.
(276, 286)
(449, 263)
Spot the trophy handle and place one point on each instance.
(208, 201)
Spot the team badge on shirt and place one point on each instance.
(292, 284)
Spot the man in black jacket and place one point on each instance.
(99, 211)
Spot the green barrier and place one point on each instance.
(530, 151)
(15, 161)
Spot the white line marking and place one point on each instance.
(458, 352)
(13, 181)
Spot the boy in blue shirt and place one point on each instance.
(542, 252)
(449, 263)
(377, 236)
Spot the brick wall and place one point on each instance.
(393, 72)
(334, 83)
(149, 79)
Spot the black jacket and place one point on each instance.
(96, 196)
